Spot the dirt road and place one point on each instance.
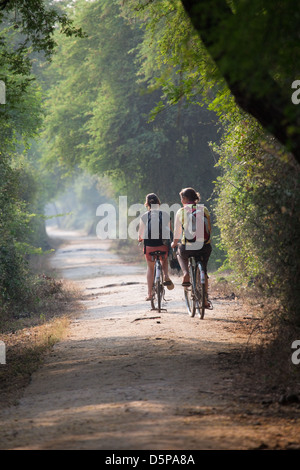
(129, 378)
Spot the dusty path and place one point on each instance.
(128, 378)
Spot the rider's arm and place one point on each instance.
(177, 230)
(141, 230)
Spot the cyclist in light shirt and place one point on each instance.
(185, 248)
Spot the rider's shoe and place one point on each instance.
(169, 284)
(186, 281)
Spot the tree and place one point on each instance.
(98, 114)
(36, 22)
(255, 45)
(24, 26)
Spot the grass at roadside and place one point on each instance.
(31, 328)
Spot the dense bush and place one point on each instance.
(12, 266)
(258, 213)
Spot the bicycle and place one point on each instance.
(195, 294)
(158, 290)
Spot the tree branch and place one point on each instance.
(3, 4)
(274, 111)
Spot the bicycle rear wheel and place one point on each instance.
(199, 293)
(189, 301)
(189, 295)
(157, 293)
(153, 300)
(160, 292)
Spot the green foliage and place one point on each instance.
(20, 119)
(36, 21)
(98, 114)
(255, 46)
(258, 213)
(12, 266)
(171, 54)
(24, 26)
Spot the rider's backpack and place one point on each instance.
(196, 225)
(154, 234)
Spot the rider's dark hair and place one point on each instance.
(190, 194)
(152, 199)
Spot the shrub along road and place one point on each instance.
(129, 378)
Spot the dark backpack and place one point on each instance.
(165, 241)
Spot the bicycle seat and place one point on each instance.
(157, 253)
(197, 257)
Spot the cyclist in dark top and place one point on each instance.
(154, 231)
